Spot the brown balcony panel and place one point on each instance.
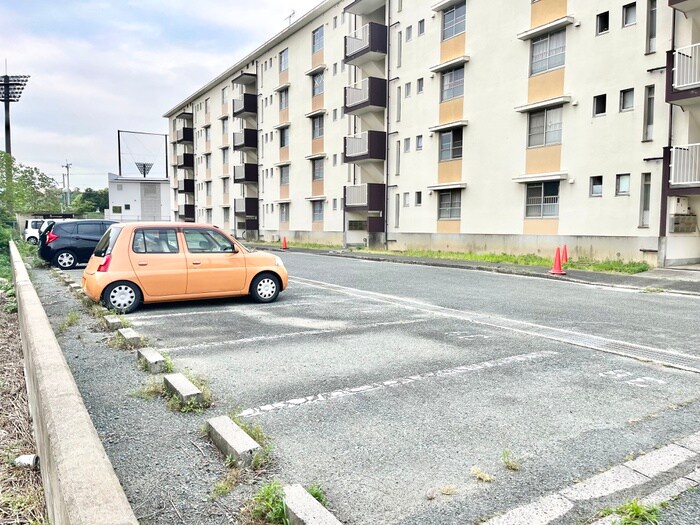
(251, 223)
(186, 160)
(248, 105)
(245, 140)
(362, 48)
(372, 198)
(370, 96)
(185, 135)
(186, 212)
(373, 147)
(247, 206)
(185, 186)
(245, 174)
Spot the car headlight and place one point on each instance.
(278, 261)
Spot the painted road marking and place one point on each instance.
(391, 383)
(623, 377)
(669, 358)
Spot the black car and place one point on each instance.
(67, 244)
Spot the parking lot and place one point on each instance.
(387, 383)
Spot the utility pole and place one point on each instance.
(11, 90)
(66, 182)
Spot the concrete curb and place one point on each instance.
(181, 387)
(66, 439)
(232, 440)
(155, 363)
(130, 336)
(303, 509)
(112, 322)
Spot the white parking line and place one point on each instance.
(336, 394)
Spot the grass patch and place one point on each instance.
(10, 305)
(608, 266)
(480, 475)
(262, 457)
(168, 365)
(120, 343)
(71, 319)
(316, 490)
(268, 504)
(152, 389)
(226, 484)
(309, 245)
(635, 513)
(176, 405)
(509, 461)
(529, 259)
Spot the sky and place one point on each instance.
(98, 66)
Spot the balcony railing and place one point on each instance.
(367, 95)
(185, 134)
(367, 43)
(685, 165)
(357, 41)
(686, 70)
(357, 94)
(245, 174)
(366, 146)
(186, 160)
(356, 195)
(247, 105)
(246, 139)
(542, 206)
(357, 145)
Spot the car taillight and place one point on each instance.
(105, 264)
(51, 237)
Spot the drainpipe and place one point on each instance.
(388, 108)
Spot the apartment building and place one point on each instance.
(442, 125)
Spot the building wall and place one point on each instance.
(126, 192)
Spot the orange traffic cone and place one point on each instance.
(284, 243)
(564, 255)
(556, 267)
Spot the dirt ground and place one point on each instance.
(21, 493)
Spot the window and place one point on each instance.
(317, 211)
(453, 20)
(120, 187)
(544, 127)
(629, 14)
(409, 33)
(284, 99)
(317, 40)
(421, 27)
(547, 52)
(622, 184)
(284, 175)
(206, 241)
(224, 156)
(449, 204)
(225, 185)
(407, 145)
(645, 201)
(651, 26)
(596, 186)
(335, 159)
(335, 114)
(116, 209)
(224, 126)
(419, 85)
(419, 198)
(206, 105)
(335, 68)
(155, 241)
(406, 199)
(649, 113)
(90, 229)
(407, 90)
(451, 144)
(224, 95)
(399, 49)
(626, 99)
(452, 84)
(207, 134)
(207, 161)
(398, 158)
(600, 103)
(207, 188)
(602, 24)
(335, 22)
(317, 169)
(398, 103)
(284, 212)
(542, 199)
(227, 215)
(284, 60)
(317, 87)
(317, 127)
(284, 137)
(419, 142)
(399, 6)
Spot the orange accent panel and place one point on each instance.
(316, 188)
(449, 226)
(284, 115)
(317, 226)
(284, 191)
(453, 47)
(284, 77)
(452, 110)
(317, 59)
(545, 11)
(207, 174)
(284, 154)
(449, 171)
(541, 226)
(208, 201)
(224, 170)
(224, 140)
(546, 159)
(546, 85)
(317, 146)
(317, 102)
(207, 118)
(207, 146)
(284, 226)
(225, 199)
(224, 109)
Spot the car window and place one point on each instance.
(64, 229)
(36, 224)
(106, 244)
(90, 228)
(155, 240)
(207, 241)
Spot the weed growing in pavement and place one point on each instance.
(481, 475)
(71, 319)
(125, 322)
(448, 490)
(226, 484)
(168, 366)
(262, 457)
(120, 343)
(634, 512)
(509, 461)
(268, 504)
(318, 493)
(652, 289)
(176, 405)
(152, 389)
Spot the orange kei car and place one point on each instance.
(157, 262)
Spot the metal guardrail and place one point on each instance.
(356, 195)
(685, 165)
(357, 41)
(686, 68)
(358, 93)
(356, 145)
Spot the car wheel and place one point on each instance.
(33, 240)
(265, 288)
(124, 297)
(65, 260)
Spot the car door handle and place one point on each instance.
(196, 262)
(143, 263)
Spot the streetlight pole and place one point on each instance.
(12, 87)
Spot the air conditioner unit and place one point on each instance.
(678, 206)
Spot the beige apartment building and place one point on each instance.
(448, 126)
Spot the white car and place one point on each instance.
(32, 230)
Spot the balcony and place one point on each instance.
(245, 174)
(364, 7)
(246, 106)
(365, 96)
(683, 76)
(684, 5)
(369, 198)
(185, 186)
(247, 206)
(245, 140)
(186, 212)
(185, 161)
(185, 136)
(365, 147)
(366, 44)
(685, 165)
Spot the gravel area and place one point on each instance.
(166, 466)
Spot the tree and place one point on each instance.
(91, 200)
(24, 189)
